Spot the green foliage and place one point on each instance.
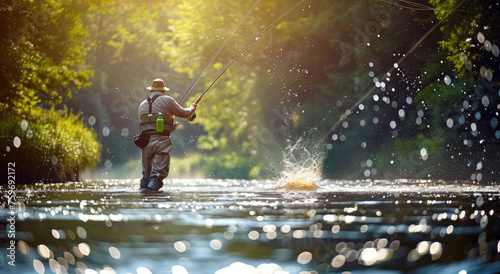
(41, 56)
(54, 146)
(465, 22)
(42, 63)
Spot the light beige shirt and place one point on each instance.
(165, 105)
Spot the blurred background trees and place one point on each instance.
(338, 75)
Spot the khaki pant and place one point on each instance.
(156, 158)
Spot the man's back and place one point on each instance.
(165, 105)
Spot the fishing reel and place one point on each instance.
(192, 117)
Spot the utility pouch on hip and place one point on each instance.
(142, 140)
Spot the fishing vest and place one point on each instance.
(150, 117)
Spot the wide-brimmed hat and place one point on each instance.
(158, 84)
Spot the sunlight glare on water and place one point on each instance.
(107, 225)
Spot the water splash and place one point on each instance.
(301, 166)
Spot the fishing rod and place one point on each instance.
(218, 50)
(248, 45)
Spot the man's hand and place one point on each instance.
(193, 108)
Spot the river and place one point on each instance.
(241, 226)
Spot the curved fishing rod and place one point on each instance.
(248, 45)
(218, 50)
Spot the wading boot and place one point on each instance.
(154, 185)
(144, 184)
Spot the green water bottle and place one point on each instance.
(159, 124)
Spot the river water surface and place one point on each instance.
(237, 226)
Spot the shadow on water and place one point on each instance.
(232, 226)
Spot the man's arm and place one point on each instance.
(178, 110)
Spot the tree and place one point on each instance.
(42, 62)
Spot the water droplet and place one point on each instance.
(84, 249)
(304, 257)
(468, 65)
(369, 256)
(480, 37)
(24, 125)
(396, 65)
(178, 269)
(23, 247)
(495, 50)
(81, 232)
(485, 100)
(105, 131)
(487, 45)
(449, 122)
(494, 122)
(339, 260)
(38, 265)
(392, 124)
(215, 244)
(180, 246)
(17, 142)
(461, 119)
(44, 251)
(477, 115)
(125, 132)
(369, 163)
(253, 235)
(473, 127)
(423, 247)
(447, 80)
(55, 234)
(423, 153)
(108, 164)
(488, 75)
(114, 252)
(482, 71)
(92, 120)
(143, 270)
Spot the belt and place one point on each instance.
(153, 132)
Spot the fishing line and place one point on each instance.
(237, 65)
(402, 59)
(259, 36)
(218, 50)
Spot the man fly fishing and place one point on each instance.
(157, 111)
(156, 115)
